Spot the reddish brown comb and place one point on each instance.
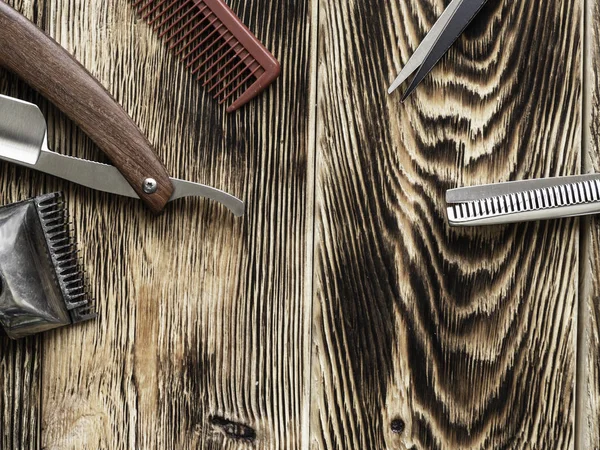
(215, 45)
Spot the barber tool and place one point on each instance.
(451, 24)
(41, 279)
(23, 141)
(523, 201)
(48, 68)
(215, 45)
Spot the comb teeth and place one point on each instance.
(527, 201)
(214, 45)
(65, 256)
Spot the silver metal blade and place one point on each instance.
(189, 189)
(526, 201)
(418, 57)
(461, 18)
(22, 130)
(23, 141)
(105, 178)
(98, 176)
(482, 192)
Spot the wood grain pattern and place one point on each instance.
(419, 336)
(428, 337)
(53, 72)
(200, 34)
(20, 362)
(203, 335)
(588, 376)
(20, 396)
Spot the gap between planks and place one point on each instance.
(584, 434)
(311, 188)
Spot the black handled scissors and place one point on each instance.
(451, 24)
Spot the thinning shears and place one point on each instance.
(524, 201)
(451, 24)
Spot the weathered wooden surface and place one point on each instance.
(20, 394)
(588, 377)
(425, 336)
(384, 330)
(52, 71)
(20, 362)
(203, 335)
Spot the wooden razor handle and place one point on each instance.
(51, 70)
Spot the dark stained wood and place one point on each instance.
(421, 336)
(49, 69)
(424, 336)
(588, 376)
(20, 362)
(20, 398)
(203, 334)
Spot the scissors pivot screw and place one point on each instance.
(150, 186)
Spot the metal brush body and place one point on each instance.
(41, 279)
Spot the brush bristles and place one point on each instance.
(214, 45)
(63, 252)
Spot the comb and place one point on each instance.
(214, 45)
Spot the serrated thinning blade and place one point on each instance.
(555, 200)
(105, 178)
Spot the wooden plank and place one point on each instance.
(20, 362)
(427, 336)
(203, 335)
(20, 393)
(588, 365)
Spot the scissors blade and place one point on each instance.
(418, 57)
(454, 27)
